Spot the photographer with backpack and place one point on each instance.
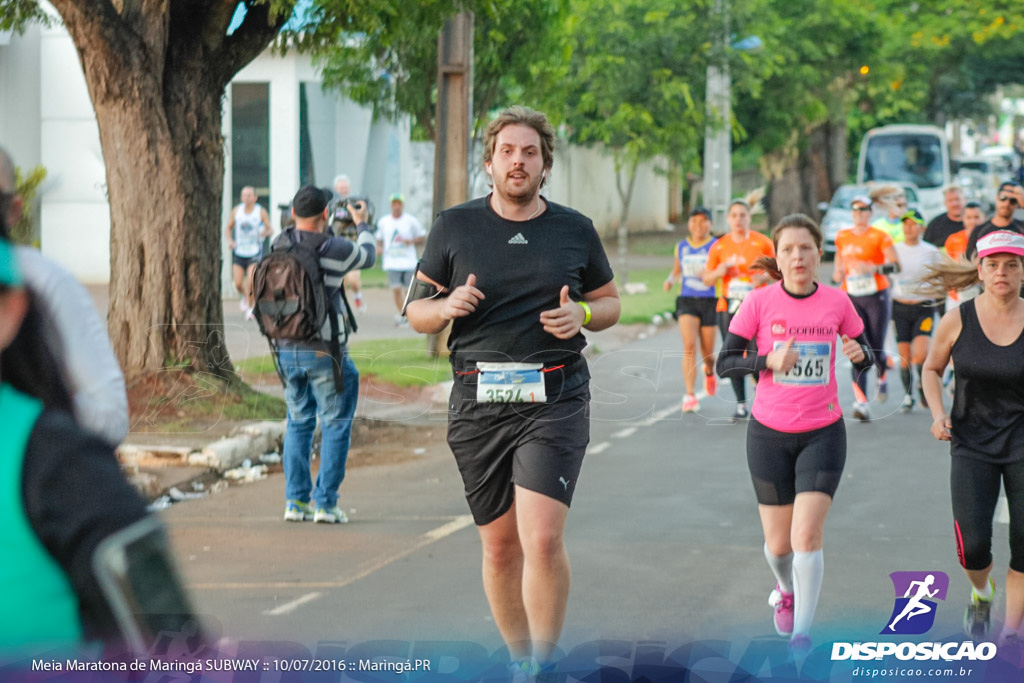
(301, 308)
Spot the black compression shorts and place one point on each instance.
(913, 320)
(499, 446)
(702, 307)
(783, 464)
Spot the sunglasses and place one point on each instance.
(1007, 198)
(861, 208)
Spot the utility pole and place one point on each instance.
(453, 125)
(717, 145)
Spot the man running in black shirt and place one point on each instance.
(944, 225)
(519, 277)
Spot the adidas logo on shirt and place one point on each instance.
(518, 239)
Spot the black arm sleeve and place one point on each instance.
(735, 361)
(869, 357)
(75, 496)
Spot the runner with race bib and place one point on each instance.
(796, 440)
(695, 306)
(864, 256)
(729, 260)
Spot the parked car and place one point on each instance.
(977, 187)
(839, 216)
(992, 169)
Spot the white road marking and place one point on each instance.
(293, 605)
(599, 448)
(663, 413)
(432, 536)
(623, 433)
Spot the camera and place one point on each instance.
(341, 223)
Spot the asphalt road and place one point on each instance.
(663, 536)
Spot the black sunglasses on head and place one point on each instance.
(1007, 198)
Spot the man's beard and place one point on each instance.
(521, 195)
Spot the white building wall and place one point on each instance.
(74, 212)
(19, 97)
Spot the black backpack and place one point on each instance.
(291, 301)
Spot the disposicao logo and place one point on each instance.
(913, 614)
(916, 593)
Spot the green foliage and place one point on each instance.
(15, 15)
(390, 61)
(635, 78)
(26, 186)
(808, 72)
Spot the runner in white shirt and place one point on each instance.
(248, 225)
(398, 235)
(913, 312)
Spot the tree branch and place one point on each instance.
(248, 41)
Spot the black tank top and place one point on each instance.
(988, 404)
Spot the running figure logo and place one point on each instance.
(914, 612)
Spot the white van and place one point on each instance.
(908, 153)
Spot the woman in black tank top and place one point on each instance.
(984, 338)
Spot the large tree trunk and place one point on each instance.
(818, 169)
(156, 72)
(165, 206)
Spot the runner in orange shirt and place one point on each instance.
(956, 247)
(729, 260)
(864, 255)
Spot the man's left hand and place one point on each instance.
(565, 321)
(359, 211)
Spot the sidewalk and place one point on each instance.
(159, 461)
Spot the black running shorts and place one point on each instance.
(783, 464)
(913, 320)
(243, 261)
(702, 307)
(498, 446)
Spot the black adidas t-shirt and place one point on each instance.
(520, 266)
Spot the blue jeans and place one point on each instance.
(310, 393)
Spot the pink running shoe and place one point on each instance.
(783, 604)
(690, 403)
(710, 384)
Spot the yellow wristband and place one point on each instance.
(586, 311)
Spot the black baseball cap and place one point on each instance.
(701, 211)
(309, 201)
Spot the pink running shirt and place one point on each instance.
(806, 397)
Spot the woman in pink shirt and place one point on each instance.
(796, 441)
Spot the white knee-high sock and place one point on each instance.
(808, 571)
(782, 567)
